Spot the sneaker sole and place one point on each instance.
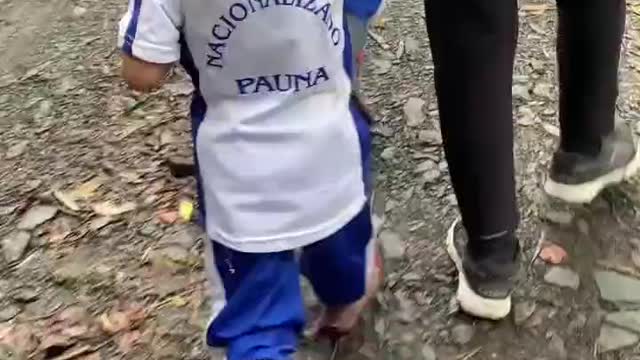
(471, 302)
(585, 193)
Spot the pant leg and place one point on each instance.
(589, 40)
(264, 312)
(473, 44)
(337, 266)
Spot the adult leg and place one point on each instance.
(473, 44)
(592, 155)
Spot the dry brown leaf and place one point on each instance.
(20, 338)
(118, 321)
(66, 200)
(553, 254)
(108, 208)
(88, 189)
(168, 216)
(128, 340)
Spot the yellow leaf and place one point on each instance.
(87, 189)
(186, 210)
(178, 301)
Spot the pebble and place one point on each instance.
(413, 112)
(431, 176)
(388, 153)
(543, 90)
(425, 166)
(36, 216)
(616, 287)
(17, 150)
(428, 353)
(612, 338)
(7, 210)
(8, 312)
(523, 311)
(626, 319)
(44, 110)
(382, 66)
(462, 334)
(558, 217)
(173, 253)
(79, 11)
(14, 245)
(25, 295)
(521, 92)
(392, 244)
(411, 45)
(430, 137)
(563, 277)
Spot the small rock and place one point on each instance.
(430, 137)
(7, 210)
(563, 277)
(37, 216)
(526, 116)
(462, 334)
(173, 253)
(8, 312)
(543, 90)
(521, 92)
(425, 166)
(428, 353)
(431, 176)
(392, 244)
(388, 153)
(557, 348)
(70, 271)
(551, 129)
(616, 287)
(44, 110)
(411, 45)
(612, 338)
(559, 217)
(523, 311)
(78, 11)
(382, 66)
(25, 295)
(14, 245)
(17, 150)
(629, 320)
(413, 112)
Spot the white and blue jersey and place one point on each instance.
(279, 153)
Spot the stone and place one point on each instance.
(543, 90)
(425, 166)
(411, 45)
(44, 110)
(563, 277)
(413, 112)
(14, 245)
(388, 153)
(431, 176)
(629, 320)
(557, 347)
(616, 287)
(462, 334)
(36, 216)
(520, 92)
(558, 217)
(8, 312)
(551, 129)
(17, 150)
(26, 295)
(392, 244)
(78, 11)
(7, 210)
(612, 338)
(428, 353)
(431, 137)
(174, 253)
(523, 311)
(382, 66)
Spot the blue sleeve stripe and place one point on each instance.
(132, 28)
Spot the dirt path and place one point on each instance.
(94, 263)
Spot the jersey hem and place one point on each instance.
(291, 241)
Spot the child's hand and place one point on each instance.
(142, 75)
